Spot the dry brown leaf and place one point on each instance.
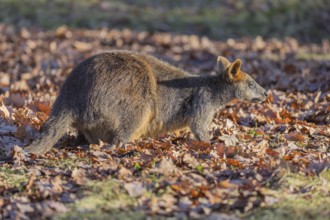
(63, 32)
(43, 107)
(135, 189)
(227, 184)
(190, 160)
(79, 176)
(124, 173)
(83, 46)
(4, 111)
(295, 136)
(57, 183)
(29, 184)
(166, 167)
(230, 140)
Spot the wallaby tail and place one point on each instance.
(53, 129)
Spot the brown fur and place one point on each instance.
(121, 96)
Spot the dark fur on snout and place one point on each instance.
(120, 96)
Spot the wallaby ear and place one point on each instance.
(235, 69)
(222, 63)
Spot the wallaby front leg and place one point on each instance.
(199, 127)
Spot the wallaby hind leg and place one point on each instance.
(117, 130)
(103, 132)
(132, 129)
(53, 129)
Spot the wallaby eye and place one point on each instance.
(251, 85)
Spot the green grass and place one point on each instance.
(299, 197)
(13, 178)
(103, 200)
(215, 19)
(313, 56)
(67, 163)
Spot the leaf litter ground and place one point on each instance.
(268, 160)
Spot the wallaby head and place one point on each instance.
(243, 86)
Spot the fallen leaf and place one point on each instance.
(4, 111)
(29, 184)
(79, 176)
(295, 136)
(166, 167)
(230, 140)
(135, 189)
(124, 173)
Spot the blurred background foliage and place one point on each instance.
(306, 20)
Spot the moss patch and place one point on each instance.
(13, 178)
(104, 200)
(66, 163)
(300, 197)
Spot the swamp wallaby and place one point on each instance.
(120, 96)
